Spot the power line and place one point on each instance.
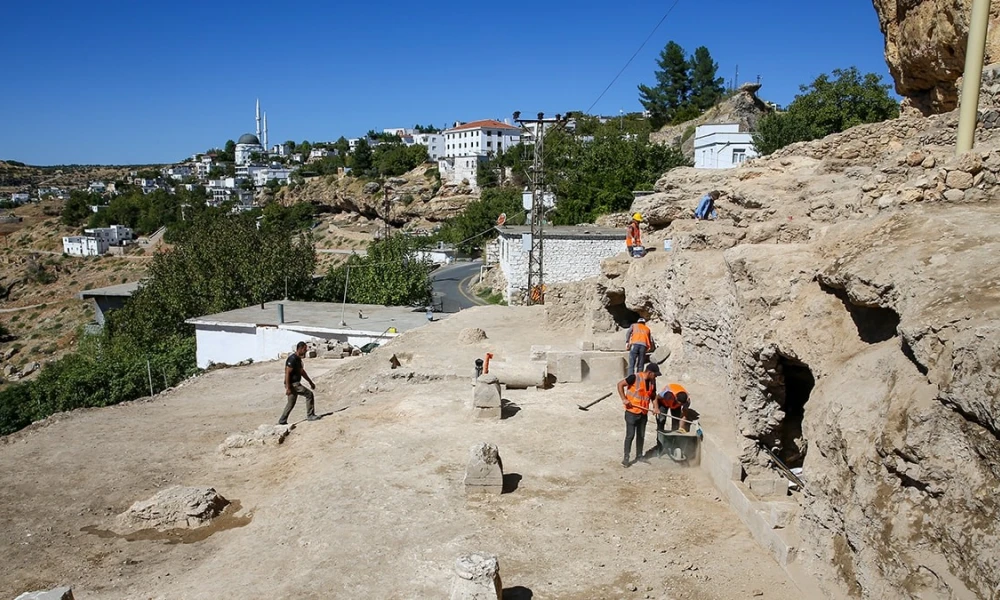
(641, 46)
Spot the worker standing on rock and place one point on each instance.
(294, 373)
(637, 391)
(674, 401)
(633, 236)
(639, 343)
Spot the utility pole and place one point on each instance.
(536, 278)
(973, 77)
(386, 207)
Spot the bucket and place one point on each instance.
(668, 245)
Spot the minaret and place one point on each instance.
(258, 119)
(264, 141)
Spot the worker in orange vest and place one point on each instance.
(633, 237)
(674, 401)
(639, 342)
(637, 391)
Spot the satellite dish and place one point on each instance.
(501, 219)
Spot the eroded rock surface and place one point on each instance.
(174, 507)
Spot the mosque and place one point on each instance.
(249, 144)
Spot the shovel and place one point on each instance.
(587, 407)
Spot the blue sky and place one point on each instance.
(117, 82)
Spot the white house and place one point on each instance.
(97, 187)
(266, 332)
(468, 144)
(19, 198)
(571, 254)
(400, 131)
(262, 176)
(81, 245)
(722, 146)
(112, 236)
(320, 153)
(434, 143)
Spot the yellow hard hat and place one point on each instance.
(637, 217)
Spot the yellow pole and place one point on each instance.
(972, 79)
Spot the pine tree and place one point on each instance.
(706, 87)
(673, 85)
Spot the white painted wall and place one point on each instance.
(722, 146)
(566, 259)
(84, 246)
(434, 143)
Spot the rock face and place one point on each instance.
(477, 577)
(484, 473)
(925, 44)
(174, 507)
(848, 299)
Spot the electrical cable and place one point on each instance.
(641, 46)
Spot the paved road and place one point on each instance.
(453, 282)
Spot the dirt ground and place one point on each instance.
(369, 501)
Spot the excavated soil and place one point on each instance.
(368, 502)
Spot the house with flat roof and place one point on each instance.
(108, 299)
(468, 144)
(262, 333)
(722, 146)
(571, 254)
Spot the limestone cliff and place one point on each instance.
(848, 298)
(925, 48)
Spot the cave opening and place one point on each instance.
(623, 316)
(874, 323)
(795, 384)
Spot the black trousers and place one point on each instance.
(635, 427)
(676, 415)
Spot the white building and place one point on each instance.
(320, 153)
(203, 167)
(247, 146)
(262, 176)
(434, 143)
(266, 333)
(571, 254)
(81, 245)
(112, 236)
(400, 131)
(468, 144)
(19, 198)
(97, 187)
(722, 146)
(178, 172)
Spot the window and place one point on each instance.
(489, 144)
(739, 156)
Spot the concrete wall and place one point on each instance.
(565, 259)
(232, 344)
(720, 146)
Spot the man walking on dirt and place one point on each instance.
(294, 373)
(636, 392)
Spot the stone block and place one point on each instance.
(484, 473)
(477, 577)
(605, 367)
(540, 352)
(486, 400)
(569, 367)
(59, 593)
(780, 514)
(585, 345)
(764, 487)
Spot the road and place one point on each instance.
(452, 281)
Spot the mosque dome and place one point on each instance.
(248, 138)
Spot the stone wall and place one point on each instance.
(567, 258)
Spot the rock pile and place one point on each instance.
(173, 508)
(240, 444)
(471, 335)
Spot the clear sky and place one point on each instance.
(118, 82)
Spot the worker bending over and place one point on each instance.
(637, 391)
(639, 343)
(633, 236)
(674, 401)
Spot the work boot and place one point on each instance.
(282, 422)
(642, 458)
(626, 463)
(312, 418)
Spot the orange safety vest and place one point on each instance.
(633, 236)
(640, 393)
(669, 397)
(641, 335)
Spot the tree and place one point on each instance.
(304, 148)
(394, 159)
(828, 106)
(673, 85)
(426, 128)
(480, 216)
(223, 263)
(77, 208)
(361, 158)
(342, 146)
(389, 274)
(706, 87)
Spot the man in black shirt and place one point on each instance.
(294, 372)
